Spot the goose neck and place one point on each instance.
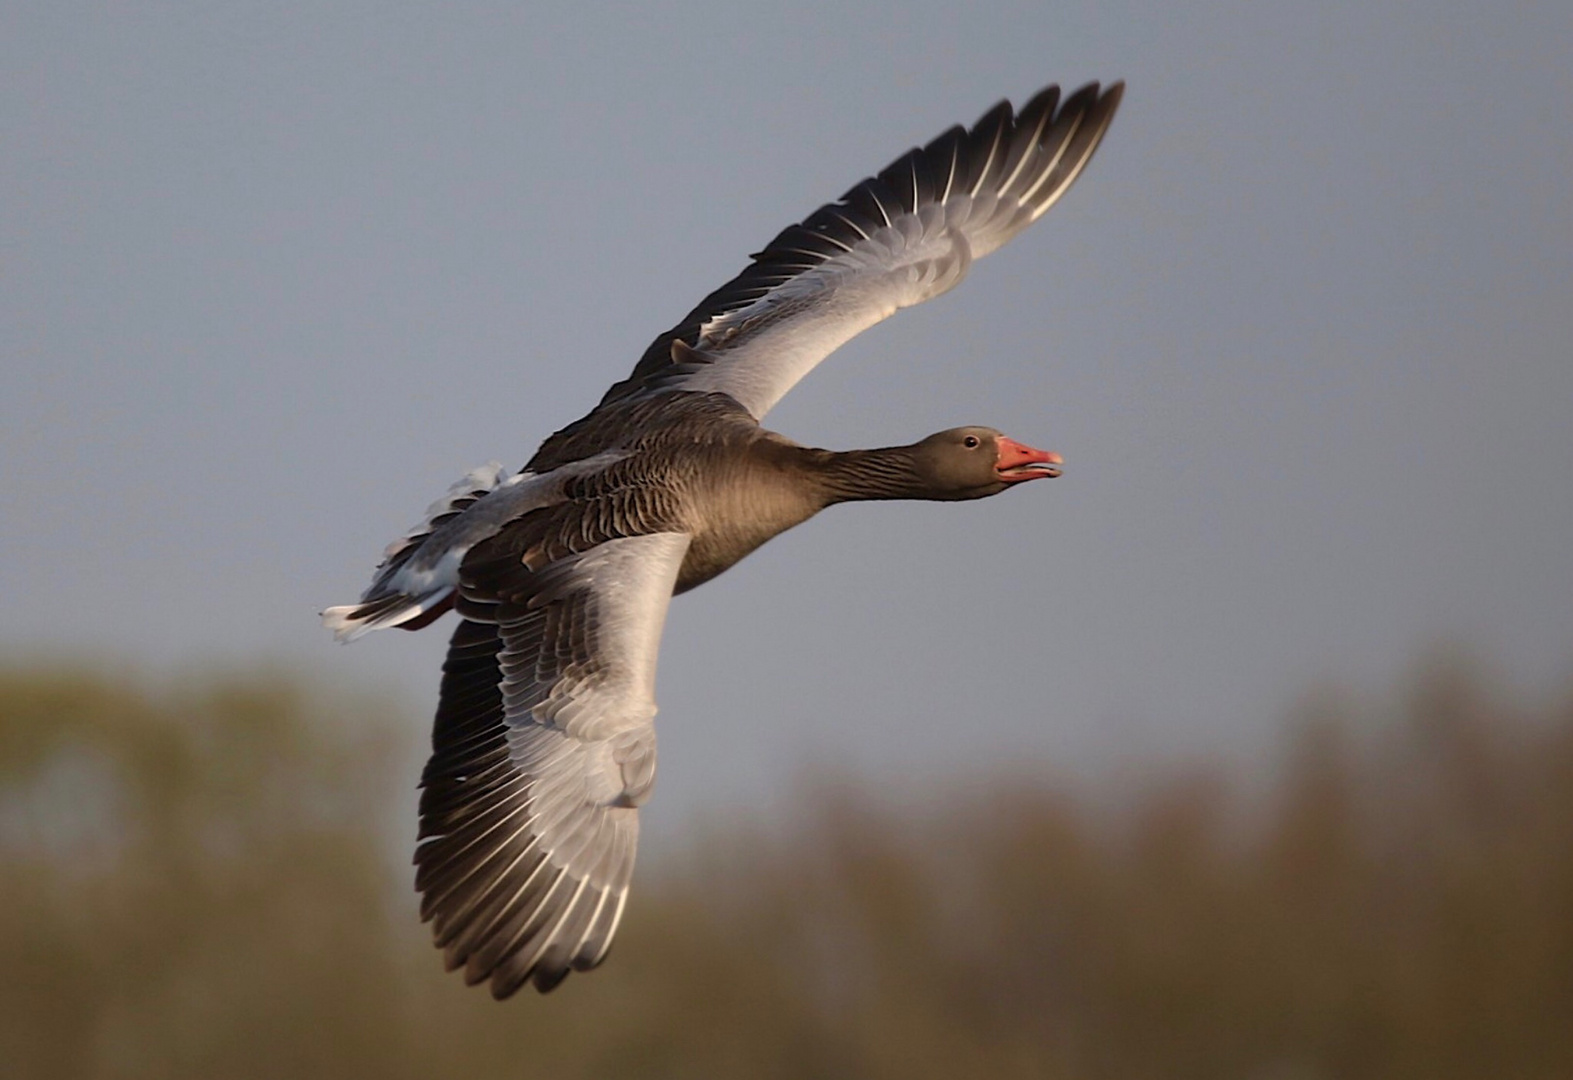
(860, 475)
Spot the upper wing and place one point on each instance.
(894, 240)
(543, 749)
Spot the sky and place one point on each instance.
(273, 275)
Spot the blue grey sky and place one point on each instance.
(272, 275)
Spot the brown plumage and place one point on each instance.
(543, 746)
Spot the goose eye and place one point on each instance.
(970, 442)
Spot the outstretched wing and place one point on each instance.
(894, 240)
(543, 749)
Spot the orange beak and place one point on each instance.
(1017, 461)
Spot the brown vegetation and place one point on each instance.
(200, 886)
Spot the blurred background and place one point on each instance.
(1245, 749)
(203, 884)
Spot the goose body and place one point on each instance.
(543, 745)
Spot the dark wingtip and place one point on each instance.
(546, 981)
(1112, 94)
(1102, 111)
(503, 989)
(506, 981)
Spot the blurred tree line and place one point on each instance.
(199, 885)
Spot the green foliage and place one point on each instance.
(198, 885)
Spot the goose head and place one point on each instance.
(974, 462)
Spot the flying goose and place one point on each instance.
(543, 747)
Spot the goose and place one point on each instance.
(543, 744)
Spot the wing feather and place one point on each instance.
(896, 239)
(543, 749)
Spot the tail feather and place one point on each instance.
(389, 600)
(460, 496)
(350, 621)
(416, 580)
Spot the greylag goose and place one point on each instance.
(543, 747)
